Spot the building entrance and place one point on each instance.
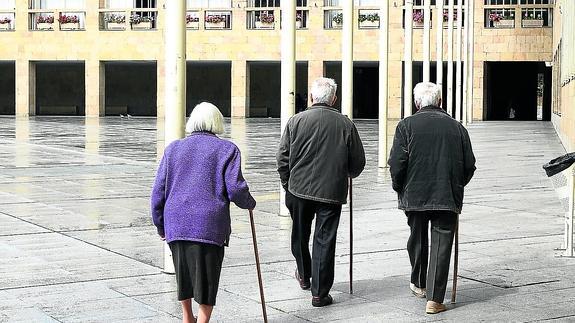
(365, 87)
(517, 91)
(60, 88)
(7, 88)
(210, 82)
(264, 86)
(131, 88)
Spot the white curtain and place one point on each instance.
(8, 4)
(119, 4)
(209, 3)
(58, 4)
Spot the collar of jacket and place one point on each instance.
(431, 108)
(203, 133)
(322, 105)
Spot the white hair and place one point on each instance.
(323, 90)
(426, 94)
(206, 117)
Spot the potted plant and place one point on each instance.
(337, 20)
(532, 21)
(265, 21)
(370, 20)
(44, 22)
(501, 21)
(5, 23)
(70, 22)
(192, 21)
(215, 22)
(115, 21)
(141, 22)
(418, 18)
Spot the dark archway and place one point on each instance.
(264, 85)
(211, 82)
(131, 88)
(365, 87)
(60, 88)
(7, 88)
(517, 91)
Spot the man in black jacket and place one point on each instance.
(430, 163)
(319, 150)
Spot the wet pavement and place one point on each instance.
(77, 243)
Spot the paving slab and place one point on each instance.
(77, 243)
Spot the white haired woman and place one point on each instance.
(197, 179)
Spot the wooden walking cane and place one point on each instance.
(455, 262)
(256, 253)
(350, 236)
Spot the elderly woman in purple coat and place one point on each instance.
(197, 179)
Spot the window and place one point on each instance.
(209, 3)
(123, 4)
(8, 5)
(57, 4)
(537, 2)
(500, 2)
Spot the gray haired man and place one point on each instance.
(430, 162)
(319, 150)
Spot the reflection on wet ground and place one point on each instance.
(77, 244)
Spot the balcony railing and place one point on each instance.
(64, 20)
(7, 20)
(368, 18)
(500, 18)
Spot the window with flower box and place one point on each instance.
(263, 14)
(500, 18)
(536, 17)
(7, 15)
(51, 14)
(129, 14)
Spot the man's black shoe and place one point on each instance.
(303, 284)
(317, 301)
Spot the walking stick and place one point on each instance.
(256, 253)
(350, 236)
(455, 262)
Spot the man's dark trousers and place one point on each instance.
(321, 271)
(442, 231)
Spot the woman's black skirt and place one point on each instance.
(198, 266)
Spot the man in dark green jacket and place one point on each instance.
(430, 162)
(319, 150)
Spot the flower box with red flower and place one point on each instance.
(192, 22)
(266, 21)
(69, 22)
(215, 22)
(5, 23)
(418, 19)
(44, 23)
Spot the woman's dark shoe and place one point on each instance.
(317, 301)
(303, 283)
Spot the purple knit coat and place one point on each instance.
(196, 180)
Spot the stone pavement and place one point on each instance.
(77, 244)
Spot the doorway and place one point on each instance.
(517, 91)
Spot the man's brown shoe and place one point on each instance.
(317, 301)
(303, 283)
(434, 307)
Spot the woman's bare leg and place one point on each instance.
(205, 313)
(188, 316)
